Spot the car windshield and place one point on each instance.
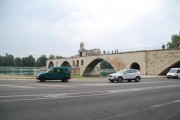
(173, 71)
(50, 70)
(122, 71)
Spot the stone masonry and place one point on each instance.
(154, 62)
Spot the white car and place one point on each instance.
(126, 74)
(173, 73)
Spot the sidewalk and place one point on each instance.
(151, 76)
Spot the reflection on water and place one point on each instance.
(106, 72)
(20, 71)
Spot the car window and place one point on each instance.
(63, 70)
(122, 71)
(134, 71)
(128, 71)
(173, 71)
(178, 71)
(50, 71)
(58, 70)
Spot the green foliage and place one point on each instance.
(29, 61)
(105, 65)
(58, 57)
(51, 57)
(41, 61)
(2, 60)
(175, 41)
(10, 60)
(18, 62)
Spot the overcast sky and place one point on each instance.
(37, 27)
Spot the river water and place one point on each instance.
(30, 71)
(34, 71)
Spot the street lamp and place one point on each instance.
(6, 63)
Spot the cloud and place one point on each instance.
(58, 26)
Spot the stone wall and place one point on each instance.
(158, 61)
(75, 71)
(150, 62)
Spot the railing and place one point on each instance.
(116, 51)
(142, 49)
(133, 50)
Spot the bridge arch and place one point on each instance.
(51, 64)
(90, 67)
(65, 64)
(135, 65)
(175, 65)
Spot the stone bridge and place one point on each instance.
(153, 62)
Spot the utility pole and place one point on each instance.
(6, 63)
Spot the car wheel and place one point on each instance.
(137, 79)
(42, 79)
(129, 80)
(65, 80)
(112, 81)
(120, 79)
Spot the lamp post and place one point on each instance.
(6, 63)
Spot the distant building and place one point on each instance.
(83, 52)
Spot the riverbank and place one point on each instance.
(16, 77)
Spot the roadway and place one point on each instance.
(95, 99)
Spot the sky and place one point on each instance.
(37, 27)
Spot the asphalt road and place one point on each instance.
(150, 99)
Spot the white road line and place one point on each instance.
(46, 85)
(16, 86)
(164, 104)
(111, 84)
(82, 94)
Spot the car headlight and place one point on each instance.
(175, 74)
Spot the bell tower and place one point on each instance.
(82, 46)
(82, 49)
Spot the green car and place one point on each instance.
(55, 73)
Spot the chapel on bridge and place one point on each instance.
(83, 52)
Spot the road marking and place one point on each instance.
(111, 84)
(16, 86)
(164, 104)
(34, 86)
(73, 85)
(47, 85)
(80, 94)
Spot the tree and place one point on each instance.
(18, 62)
(58, 57)
(9, 60)
(51, 57)
(105, 65)
(28, 61)
(31, 61)
(41, 61)
(2, 60)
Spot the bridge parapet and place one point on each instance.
(153, 62)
